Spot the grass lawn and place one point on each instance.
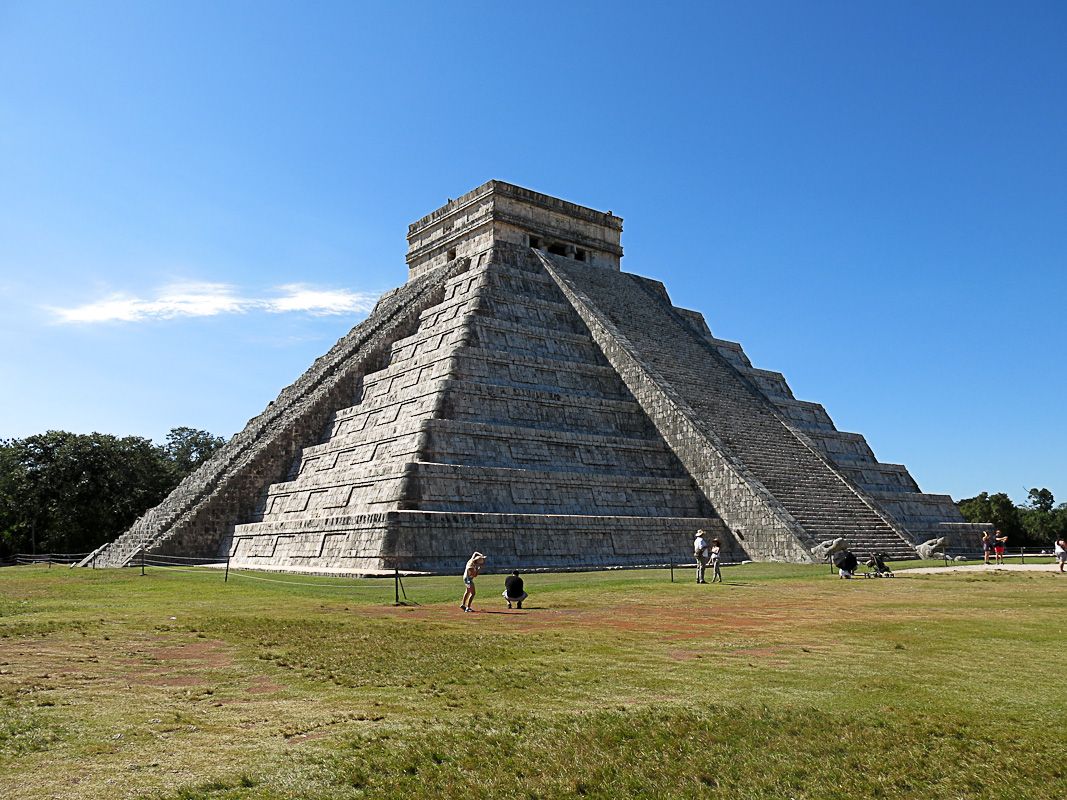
(785, 682)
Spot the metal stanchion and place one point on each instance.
(142, 559)
(672, 569)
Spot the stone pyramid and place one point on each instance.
(522, 396)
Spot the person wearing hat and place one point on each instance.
(470, 572)
(700, 552)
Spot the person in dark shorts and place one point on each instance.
(513, 591)
(987, 545)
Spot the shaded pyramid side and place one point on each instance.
(199, 515)
(497, 425)
(768, 482)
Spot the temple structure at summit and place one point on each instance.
(522, 396)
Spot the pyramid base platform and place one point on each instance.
(429, 541)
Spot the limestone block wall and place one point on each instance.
(442, 542)
(501, 214)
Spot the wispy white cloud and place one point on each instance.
(303, 297)
(211, 299)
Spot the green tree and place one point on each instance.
(997, 509)
(63, 492)
(188, 448)
(1042, 522)
(1041, 500)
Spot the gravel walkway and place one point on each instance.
(982, 568)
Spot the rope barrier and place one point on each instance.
(151, 562)
(176, 569)
(303, 583)
(184, 559)
(268, 580)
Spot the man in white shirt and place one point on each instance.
(700, 552)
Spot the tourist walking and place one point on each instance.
(999, 545)
(470, 572)
(716, 551)
(1061, 551)
(513, 591)
(700, 553)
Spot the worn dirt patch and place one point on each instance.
(263, 686)
(207, 652)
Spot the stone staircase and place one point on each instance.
(891, 486)
(823, 502)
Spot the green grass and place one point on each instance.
(784, 682)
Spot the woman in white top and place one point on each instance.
(716, 550)
(1061, 551)
(470, 572)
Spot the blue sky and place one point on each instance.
(197, 199)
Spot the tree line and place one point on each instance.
(1036, 523)
(64, 492)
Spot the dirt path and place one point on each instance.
(982, 568)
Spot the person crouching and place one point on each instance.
(513, 592)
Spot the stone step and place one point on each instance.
(493, 367)
(497, 445)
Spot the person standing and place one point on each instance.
(1061, 551)
(1000, 543)
(470, 572)
(716, 551)
(513, 591)
(987, 545)
(700, 552)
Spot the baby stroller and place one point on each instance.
(876, 567)
(846, 563)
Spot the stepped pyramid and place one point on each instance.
(522, 396)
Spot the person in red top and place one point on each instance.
(999, 543)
